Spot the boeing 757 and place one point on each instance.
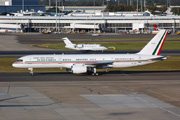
(83, 47)
(88, 63)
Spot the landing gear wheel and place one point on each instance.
(95, 74)
(31, 71)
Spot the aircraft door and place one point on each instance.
(140, 60)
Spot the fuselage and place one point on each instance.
(66, 61)
(92, 47)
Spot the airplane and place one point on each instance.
(156, 30)
(88, 63)
(83, 47)
(6, 30)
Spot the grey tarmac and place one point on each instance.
(65, 96)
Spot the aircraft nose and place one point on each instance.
(14, 65)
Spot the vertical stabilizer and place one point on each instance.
(155, 27)
(155, 45)
(67, 42)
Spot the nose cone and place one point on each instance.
(14, 65)
(104, 48)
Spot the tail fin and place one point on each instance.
(155, 27)
(155, 45)
(67, 41)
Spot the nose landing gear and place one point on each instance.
(31, 71)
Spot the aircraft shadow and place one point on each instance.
(104, 73)
(13, 98)
(135, 72)
(26, 105)
(123, 113)
(21, 105)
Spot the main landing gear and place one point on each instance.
(94, 72)
(31, 71)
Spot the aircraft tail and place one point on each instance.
(155, 45)
(67, 42)
(155, 27)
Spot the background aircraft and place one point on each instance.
(4, 28)
(156, 30)
(83, 47)
(88, 63)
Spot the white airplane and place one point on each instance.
(88, 63)
(83, 47)
(6, 30)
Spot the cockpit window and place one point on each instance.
(19, 60)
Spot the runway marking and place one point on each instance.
(164, 95)
(170, 112)
(161, 107)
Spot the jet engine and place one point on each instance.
(78, 69)
(79, 46)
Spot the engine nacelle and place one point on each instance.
(79, 46)
(78, 69)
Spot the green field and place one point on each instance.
(171, 64)
(169, 45)
(117, 39)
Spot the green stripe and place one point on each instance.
(159, 43)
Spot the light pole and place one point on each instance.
(137, 5)
(94, 7)
(144, 5)
(49, 3)
(22, 5)
(141, 6)
(56, 15)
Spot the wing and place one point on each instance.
(99, 64)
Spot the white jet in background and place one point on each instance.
(5, 28)
(88, 63)
(83, 47)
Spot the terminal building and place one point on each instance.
(92, 23)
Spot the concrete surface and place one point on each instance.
(90, 99)
(10, 43)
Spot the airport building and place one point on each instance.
(106, 23)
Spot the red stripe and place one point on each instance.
(162, 43)
(136, 61)
(78, 62)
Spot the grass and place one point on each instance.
(117, 39)
(171, 64)
(119, 46)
